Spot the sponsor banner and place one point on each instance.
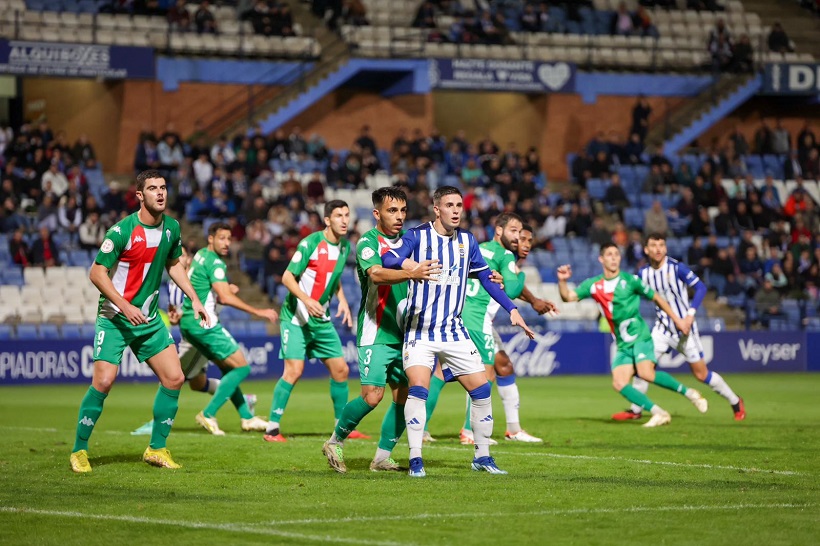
(550, 353)
(813, 349)
(792, 79)
(502, 75)
(19, 58)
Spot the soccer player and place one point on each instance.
(128, 272)
(312, 277)
(618, 296)
(209, 277)
(433, 325)
(195, 364)
(379, 336)
(671, 278)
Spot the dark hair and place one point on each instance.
(444, 190)
(606, 246)
(527, 227)
(330, 206)
(505, 218)
(216, 227)
(383, 194)
(655, 236)
(147, 175)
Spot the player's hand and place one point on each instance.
(683, 326)
(688, 320)
(315, 309)
(344, 312)
(564, 272)
(134, 315)
(497, 278)
(517, 320)
(234, 289)
(268, 314)
(174, 316)
(545, 307)
(199, 311)
(428, 270)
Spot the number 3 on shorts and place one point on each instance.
(367, 354)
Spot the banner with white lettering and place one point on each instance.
(502, 75)
(792, 79)
(550, 353)
(19, 58)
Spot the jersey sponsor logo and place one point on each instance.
(623, 328)
(219, 274)
(368, 253)
(107, 246)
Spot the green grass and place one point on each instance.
(704, 479)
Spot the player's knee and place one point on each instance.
(104, 383)
(647, 375)
(618, 384)
(418, 392)
(373, 396)
(173, 381)
(481, 393)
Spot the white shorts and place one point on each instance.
(193, 362)
(690, 346)
(460, 357)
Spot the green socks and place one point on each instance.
(436, 385)
(166, 404)
(339, 393)
(637, 397)
(281, 395)
(229, 383)
(663, 379)
(238, 400)
(352, 415)
(393, 426)
(90, 409)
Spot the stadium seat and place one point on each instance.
(71, 331)
(633, 218)
(257, 328)
(27, 331)
(6, 332)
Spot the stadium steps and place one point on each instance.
(710, 106)
(734, 318)
(802, 28)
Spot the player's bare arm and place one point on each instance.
(99, 277)
(680, 324)
(427, 270)
(517, 320)
(564, 274)
(315, 309)
(226, 296)
(541, 306)
(178, 273)
(344, 308)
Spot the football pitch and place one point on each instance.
(705, 479)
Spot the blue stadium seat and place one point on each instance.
(27, 331)
(6, 332)
(78, 258)
(72, 331)
(87, 331)
(257, 328)
(633, 218)
(49, 331)
(12, 275)
(597, 188)
(774, 164)
(754, 163)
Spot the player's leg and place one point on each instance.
(660, 342)
(419, 358)
(484, 343)
(510, 397)
(293, 352)
(323, 342)
(109, 344)
(436, 384)
(393, 424)
(623, 369)
(693, 350)
(646, 371)
(166, 366)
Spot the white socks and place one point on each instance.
(719, 385)
(641, 386)
(511, 399)
(213, 384)
(481, 415)
(415, 415)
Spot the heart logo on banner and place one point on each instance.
(502, 75)
(554, 76)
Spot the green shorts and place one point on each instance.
(146, 340)
(632, 354)
(380, 365)
(309, 341)
(485, 343)
(214, 343)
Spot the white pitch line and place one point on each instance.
(224, 527)
(557, 512)
(638, 461)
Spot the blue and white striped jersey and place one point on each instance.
(671, 280)
(175, 295)
(433, 311)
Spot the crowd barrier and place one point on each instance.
(551, 353)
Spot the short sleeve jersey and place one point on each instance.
(207, 269)
(135, 255)
(382, 308)
(480, 308)
(619, 300)
(317, 264)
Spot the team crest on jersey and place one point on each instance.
(107, 246)
(461, 250)
(168, 235)
(368, 253)
(623, 284)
